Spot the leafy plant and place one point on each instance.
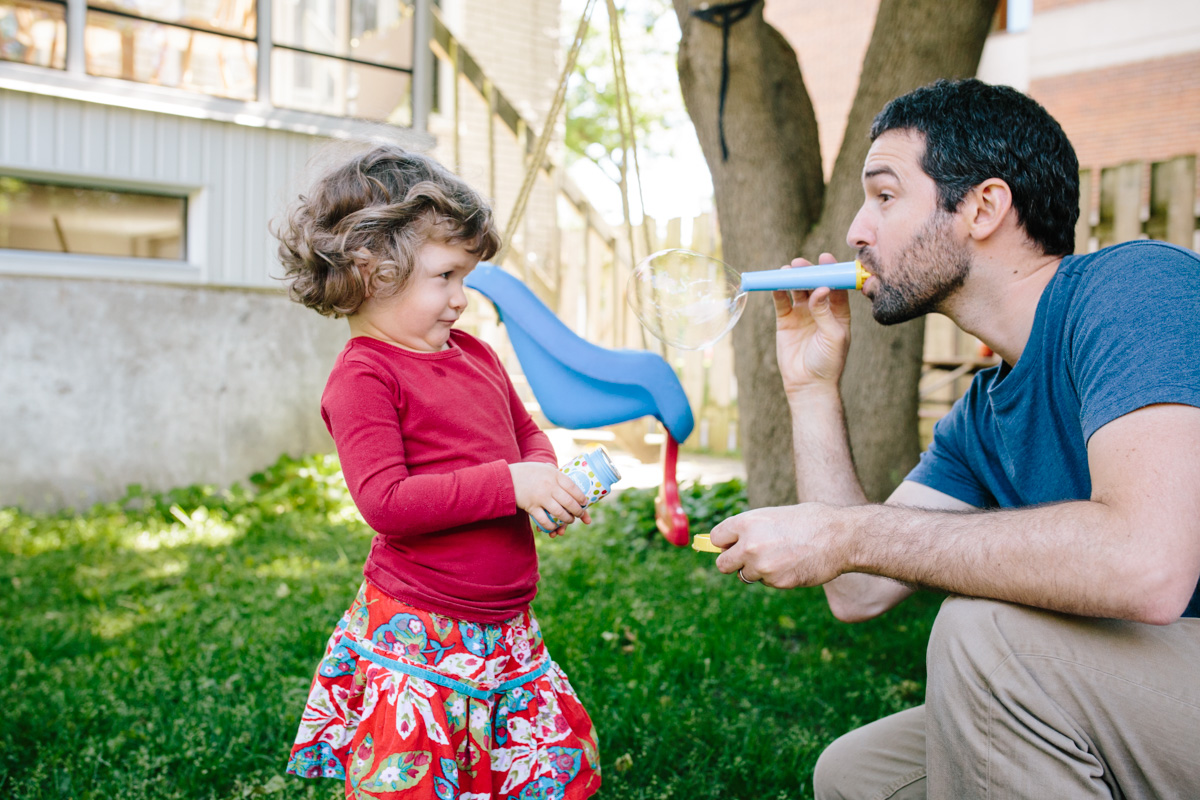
(631, 512)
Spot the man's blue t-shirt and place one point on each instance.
(1115, 331)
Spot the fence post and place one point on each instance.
(1120, 204)
(1083, 226)
(1173, 201)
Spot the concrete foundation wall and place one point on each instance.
(104, 384)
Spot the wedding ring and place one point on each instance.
(743, 577)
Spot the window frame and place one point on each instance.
(189, 269)
(74, 82)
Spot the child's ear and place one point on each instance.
(366, 268)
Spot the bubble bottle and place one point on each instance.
(594, 473)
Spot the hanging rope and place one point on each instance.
(624, 126)
(628, 139)
(724, 15)
(628, 147)
(539, 152)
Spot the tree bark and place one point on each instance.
(773, 205)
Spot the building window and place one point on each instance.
(199, 45)
(33, 32)
(103, 222)
(345, 58)
(351, 58)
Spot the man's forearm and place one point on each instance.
(1076, 557)
(821, 450)
(825, 473)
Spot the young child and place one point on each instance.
(435, 683)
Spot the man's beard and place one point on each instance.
(924, 273)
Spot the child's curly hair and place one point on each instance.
(359, 230)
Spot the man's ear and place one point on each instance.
(986, 207)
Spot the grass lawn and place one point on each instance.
(162, 647)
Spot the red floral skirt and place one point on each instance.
(409, 704)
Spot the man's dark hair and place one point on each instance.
(974, 131)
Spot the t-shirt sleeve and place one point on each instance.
(362, 410)
(1134, 339)
(944, 466)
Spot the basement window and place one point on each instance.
(59, 218)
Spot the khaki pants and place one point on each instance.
(1022, 703)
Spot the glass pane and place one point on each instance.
(341, 88)
(164, 55)
(234, 16)
(379, 31)
(33, 33)
(71, 219)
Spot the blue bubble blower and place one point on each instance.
(690, 300)
(843, 275)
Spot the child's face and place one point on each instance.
(420, 317)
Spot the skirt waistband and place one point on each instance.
(479, 691)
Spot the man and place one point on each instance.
(1059, 502)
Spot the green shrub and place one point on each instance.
(630, 512)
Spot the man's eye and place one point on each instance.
(445, 275)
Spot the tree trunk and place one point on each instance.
(773, 205)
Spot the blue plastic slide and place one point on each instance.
(582, 385)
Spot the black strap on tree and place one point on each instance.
(725, 15)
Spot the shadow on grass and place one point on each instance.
(162, 647)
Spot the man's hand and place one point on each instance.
(784, 547)
(544, 491)
(812, 334)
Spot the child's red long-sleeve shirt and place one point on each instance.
(425, 440)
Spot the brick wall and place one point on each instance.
(517, 44)
(1144, 111)
(1134, 111)
(830, 40)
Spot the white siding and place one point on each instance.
(238, 179)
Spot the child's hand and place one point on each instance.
(544, 491)
(586, 518)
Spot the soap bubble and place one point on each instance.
(685, 299)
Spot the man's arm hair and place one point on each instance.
(1131, 551)
(855, 596)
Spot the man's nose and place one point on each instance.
(859, 234)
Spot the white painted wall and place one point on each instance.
(1091, 36)
(1112, 32)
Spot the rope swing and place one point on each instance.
(624, 123)
(539, 151)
